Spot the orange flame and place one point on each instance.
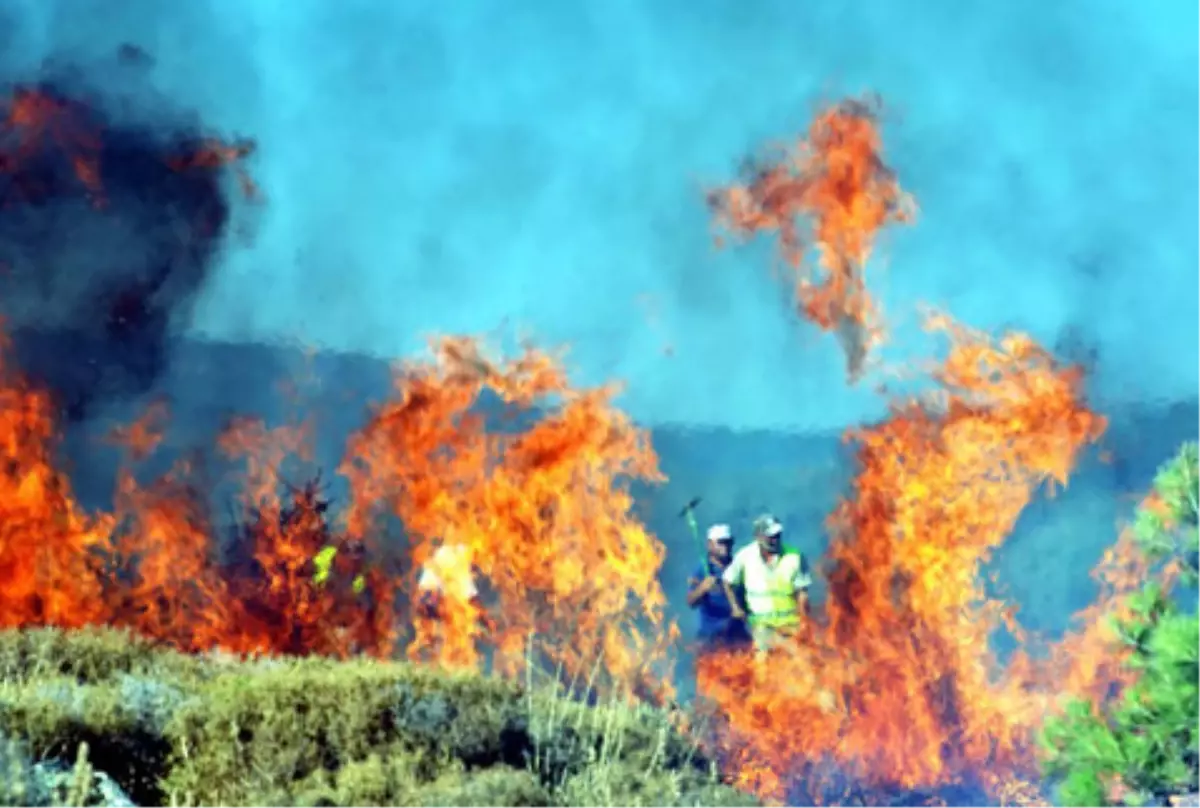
(578, 575)
(897, 687)
(214, 154)
(1090, 661)
(48, 546)
(836, 179)
(577, 572)
(37, 124)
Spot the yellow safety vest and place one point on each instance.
(772, 589)
(323, 565)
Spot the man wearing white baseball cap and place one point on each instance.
(715, 604)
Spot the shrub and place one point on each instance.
(168, 728)
(1145, 739)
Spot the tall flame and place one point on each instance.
(541, 508)
(897, 687)
(544, 511)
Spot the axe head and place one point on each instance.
(691, 506)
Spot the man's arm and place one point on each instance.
(802, 582)
(733, 577)
(699, 585)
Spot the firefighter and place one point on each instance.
(776, 580)
(331, 557)
(450, 618)
(449, 573)
(710, 598)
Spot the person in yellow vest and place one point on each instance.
(449, 573)
(450, 618)
(775, 580)
(348, 559)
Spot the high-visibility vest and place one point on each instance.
(323, 565)
(771, 589)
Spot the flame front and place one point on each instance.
(572, 577)
(897, 687)
(528, 478)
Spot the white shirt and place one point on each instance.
(448, 572)
(749, 568)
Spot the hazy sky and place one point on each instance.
(435, 166)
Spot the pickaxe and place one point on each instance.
(689, 513)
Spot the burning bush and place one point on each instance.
(581, 574)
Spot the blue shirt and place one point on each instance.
(714, 608)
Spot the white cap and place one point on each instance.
(720, 532)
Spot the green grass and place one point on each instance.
(180, 730)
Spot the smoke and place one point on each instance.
(114, 211)
(544, 167)
(105, 245)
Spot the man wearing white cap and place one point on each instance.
(715, 603)
(776, 581)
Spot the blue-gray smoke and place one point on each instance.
(538, 165)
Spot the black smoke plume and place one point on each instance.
(112, 216)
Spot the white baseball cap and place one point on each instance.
(720, 532)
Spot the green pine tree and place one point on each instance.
(1147, 735)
